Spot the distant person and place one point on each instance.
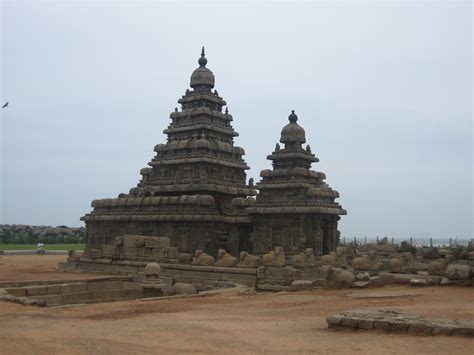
(41, 250)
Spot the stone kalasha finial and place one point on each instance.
(293, 118)
(226, 110)
(202, 61)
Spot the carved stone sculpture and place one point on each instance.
(369, 262)
(249, 261)
(224, 259)
(202, 259)
(304, 260)
(275, 258)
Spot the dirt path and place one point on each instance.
(36, 267)
(263, 323)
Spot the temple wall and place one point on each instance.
(295, 233)
(187, 236)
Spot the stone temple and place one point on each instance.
(195, 191)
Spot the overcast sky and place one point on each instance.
(383, 89)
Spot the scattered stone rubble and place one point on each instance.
(274, 271)
(392, 321)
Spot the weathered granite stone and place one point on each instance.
(399, 322)
(376, 281)
(301, 285)
(249, 261)
(152, 270)
(369, 262)
(437, 267)
(458, 272)
(275, 258)
(304, 260)
(224, 259)
(202, 259)
(182, 288)
(360, 284)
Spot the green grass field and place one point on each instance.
(47, 246)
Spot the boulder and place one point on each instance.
(301, 285)
(361, 284)
(403, 263)
(337, 277)
(343, 278)
(458, 272)
(181, 288)
(368, 262)
(437, 267)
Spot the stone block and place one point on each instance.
(75, 297)
(129, 251)
(131, 294)
(51, 300)
(132, 286)
(108, 295)
(74, 287)
(420, 281)
(360, 284)
(104, 286)
(376, 281)
(420, 328)
(363, 276)
(442, 330)
(367, 324)
(399, 326)
(54, 289)
(17, 291)
(466, 331)
(157, 242)
(301, 285)
(36, 290)
(279, 273)
(382, 325)
(349, 323)
(334, 321)
(458, 272)
(108, 250)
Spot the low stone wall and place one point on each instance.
(391, 321)
(90, 291)
(179, 272)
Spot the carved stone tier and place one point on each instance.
(189, 190)
(295, 208)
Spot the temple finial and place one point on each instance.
(202, 60)
(293, 118)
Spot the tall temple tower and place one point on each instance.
(295, 208)
(194, 190)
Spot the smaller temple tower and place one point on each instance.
(295, 208)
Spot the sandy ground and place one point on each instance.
(264, 323)
(36, 267)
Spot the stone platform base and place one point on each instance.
(213, 275)
(392, 321)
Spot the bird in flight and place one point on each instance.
(5, 105)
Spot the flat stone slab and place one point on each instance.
(392, 321)
(384, 294)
